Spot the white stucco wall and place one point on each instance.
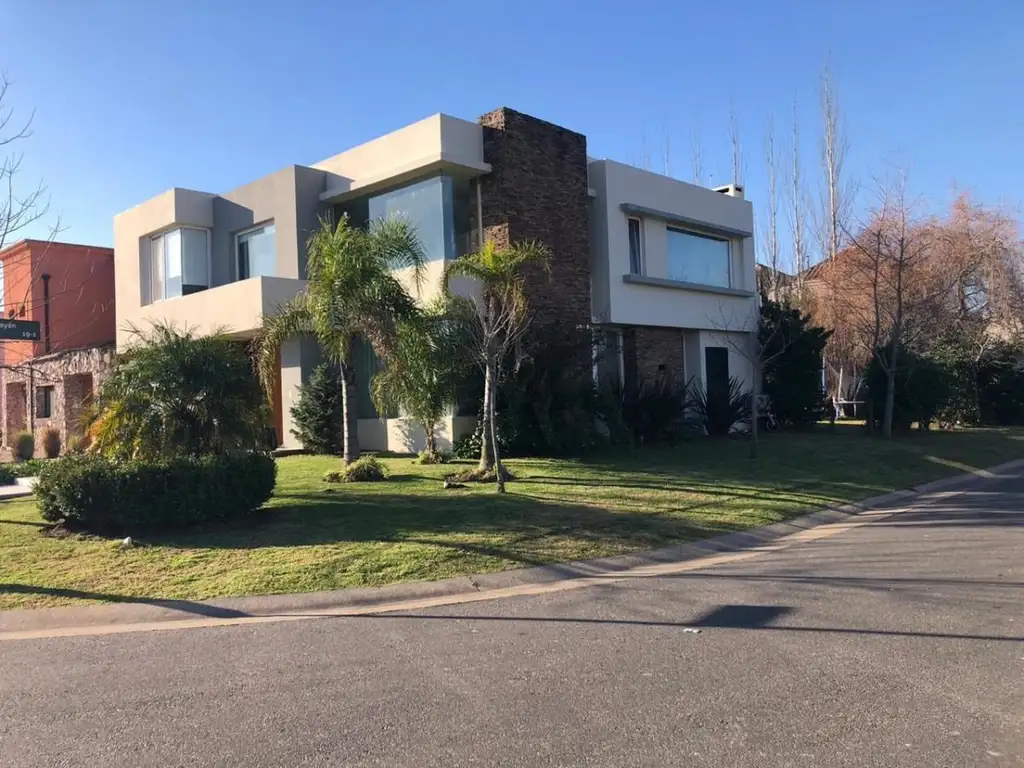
(702, 210)
(436, 142)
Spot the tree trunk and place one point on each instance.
(498, 470)
(431, 438)
(890, 392)
(755, 391)
(486, 431)
(350, 443)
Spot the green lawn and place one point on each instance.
(315, 537)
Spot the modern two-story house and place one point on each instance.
(665, 268)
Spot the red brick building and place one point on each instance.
(69, 290)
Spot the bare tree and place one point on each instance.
(697, 159)
(666, 149)
(836, 192)
(645, 154)
(772, 282)
(734, 141)
(798, 213)
(18, 210)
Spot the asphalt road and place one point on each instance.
(900, 643)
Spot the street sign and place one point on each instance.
(19, 330)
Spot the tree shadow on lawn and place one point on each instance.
(507, 526)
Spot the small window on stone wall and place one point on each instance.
(44, 402)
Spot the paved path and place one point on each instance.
(898, 643)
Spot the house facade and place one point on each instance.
(69, 290)
(665, 268)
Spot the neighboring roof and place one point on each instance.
(29, 242)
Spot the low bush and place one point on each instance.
(645, 413)
(24, 446)
(30, 468)
(51, 443)
(720, 412)
(102, 495)
(7, 476)
(434, 457)
(365, 469)
(78, 444)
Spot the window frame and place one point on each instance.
(642, 250)
(161, 234)
(237, 240)
(707, 235)
(47, 393)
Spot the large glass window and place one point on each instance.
(179, 263)
(695, 258)
(636, 247)
(257, 252)
(439, 208)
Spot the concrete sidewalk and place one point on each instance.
(23, 486)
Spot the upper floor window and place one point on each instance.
(179, 263)
(694, 258)
(257, 252)
(439, 208)
(636, 247)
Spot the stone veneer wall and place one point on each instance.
(74, 375)
(537, 190)
(650, 353)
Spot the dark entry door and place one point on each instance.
(716, 368)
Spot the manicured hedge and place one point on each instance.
(96, 494)
(7, 476)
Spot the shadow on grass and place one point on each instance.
(186, 606)
(511, 526)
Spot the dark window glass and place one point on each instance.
(636, 247)
(44, 402)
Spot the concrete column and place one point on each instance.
(298, 359)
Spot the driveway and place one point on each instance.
(896, 643)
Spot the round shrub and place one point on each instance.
(24, 446)
(434, 457)
(101, 495)
(365, 469)
(7, 475)
(51, 443)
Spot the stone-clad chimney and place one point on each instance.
(537, 190)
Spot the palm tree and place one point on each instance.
(351, 291)
(173, 393)
(499, 307)
(425, 370)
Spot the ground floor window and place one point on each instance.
(44, 402)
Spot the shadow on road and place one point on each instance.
(723, 617)
(186, 606)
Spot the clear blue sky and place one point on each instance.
(132, 97)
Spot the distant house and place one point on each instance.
(69, 290)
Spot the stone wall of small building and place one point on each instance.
(74, 376)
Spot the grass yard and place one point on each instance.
(409, 528)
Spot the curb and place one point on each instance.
(143, 610)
